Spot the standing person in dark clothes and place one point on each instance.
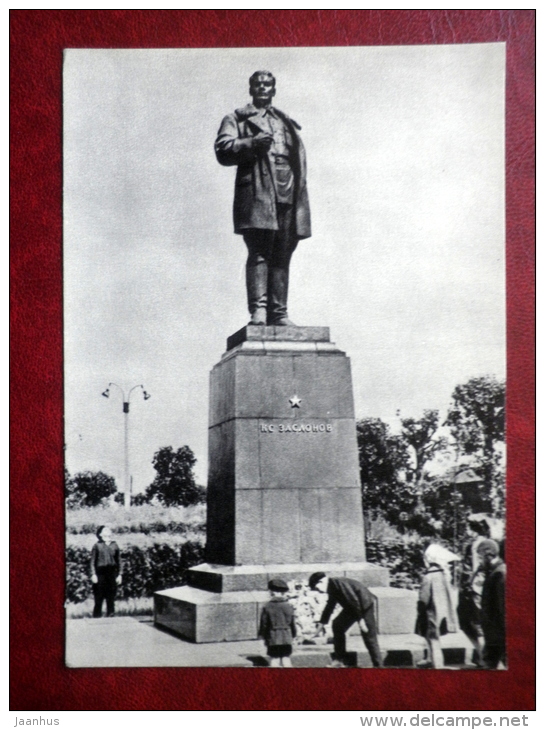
(493, 604)
(471, 588)
(357, 604)
(277, 625)
(105, 571)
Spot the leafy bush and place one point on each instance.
(403, 559)
(175, 528)
(139, 499)
(145, 570)
(136, 568)
(78, 584)
(136, 539)
(164, 568)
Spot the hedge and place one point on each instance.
(178, 528)
(160, 566)
(145, 570)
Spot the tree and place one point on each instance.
(448, 507)
(175, 482)
(477, 422)
(73, 498)
(420, 435)
(382, 458)
(88, 488)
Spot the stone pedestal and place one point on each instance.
(284, 497)
(283, 483)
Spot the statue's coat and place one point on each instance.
(255, 200)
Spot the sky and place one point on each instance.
(406, 263)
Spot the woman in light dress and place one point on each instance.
(436, 605)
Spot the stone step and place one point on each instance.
(228, 578)
(401, 651)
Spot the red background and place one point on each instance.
(39, 679)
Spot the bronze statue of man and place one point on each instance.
(271, 208)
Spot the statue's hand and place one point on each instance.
(262, 142)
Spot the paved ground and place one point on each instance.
(133, 642)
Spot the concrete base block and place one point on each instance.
(228, 578)
(395, 610)
(202, 617)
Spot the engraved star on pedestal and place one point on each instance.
(295, 401)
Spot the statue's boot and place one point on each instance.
(256, 288)
(278, 297)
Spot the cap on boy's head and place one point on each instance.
(489, 547)
(314, 579)
(278, 585)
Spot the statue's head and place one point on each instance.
(262, 88)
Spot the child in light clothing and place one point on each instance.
(277, 625)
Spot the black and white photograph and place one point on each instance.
(285, 357)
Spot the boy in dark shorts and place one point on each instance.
(277, 625)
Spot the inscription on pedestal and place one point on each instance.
(296, 427)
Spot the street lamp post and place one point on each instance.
(106, 394)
